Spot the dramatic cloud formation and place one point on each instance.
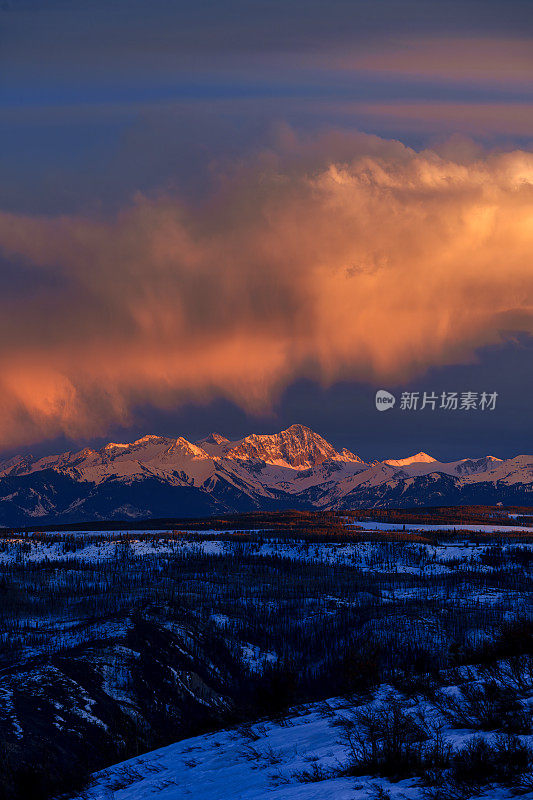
(335, 257)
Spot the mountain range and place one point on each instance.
(162, 477)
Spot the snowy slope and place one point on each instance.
(151, 455)
(302, 757)
(509, 472)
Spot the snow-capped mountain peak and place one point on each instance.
(297, 447)
(215, 444)
(148, 437)
(419, 458)
(213, 438)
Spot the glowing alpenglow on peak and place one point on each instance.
(404, 462)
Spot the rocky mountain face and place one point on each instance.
(297, 447)
(158, 476)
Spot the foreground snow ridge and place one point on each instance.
(303, 756)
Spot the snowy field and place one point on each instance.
(409, 557)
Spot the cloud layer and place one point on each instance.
(334, 257)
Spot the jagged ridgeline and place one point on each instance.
(158, 476)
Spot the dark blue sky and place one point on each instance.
(101, 101)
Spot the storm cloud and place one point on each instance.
(330, 257)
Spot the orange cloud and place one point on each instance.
(339, 257)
